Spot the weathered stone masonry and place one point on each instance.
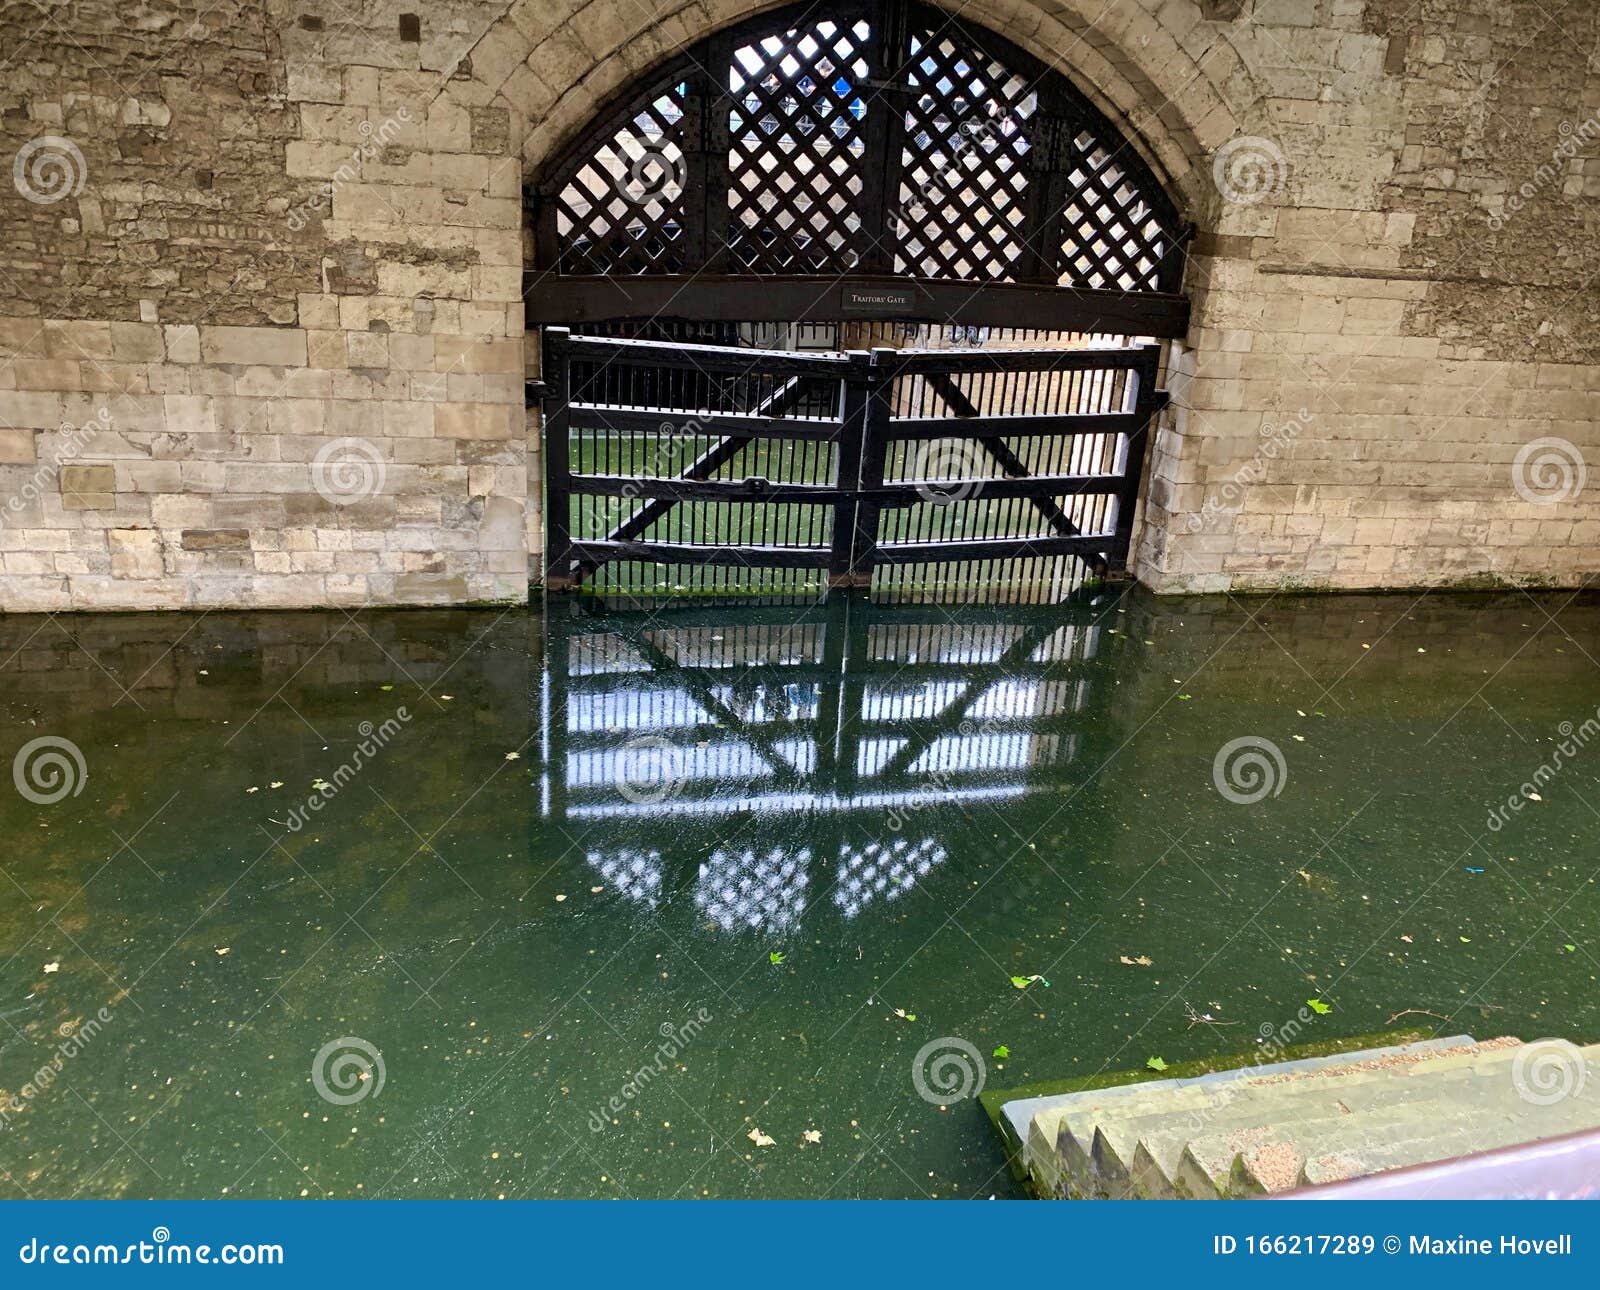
(270, 352)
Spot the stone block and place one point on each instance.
(88, 488)
(267, 346)
(136, 553)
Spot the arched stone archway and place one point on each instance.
(554, 73)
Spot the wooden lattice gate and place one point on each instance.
(785, 470)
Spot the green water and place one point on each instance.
(909, 807)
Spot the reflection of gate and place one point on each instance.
(794, 470)
(763, 765)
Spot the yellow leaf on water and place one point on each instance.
(223, 950)
(760, 1139)
(812, 1135)
(52, 967)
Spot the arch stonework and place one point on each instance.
(554, 75)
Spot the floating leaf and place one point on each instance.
(513, 756)
(1318, 1007)
(52, 967)
(1570, 949)
(1156, 1064)
(904, 1015)
(812, 1135)
(277, 783)
(1465, 940)
(320, 784)
(1143, 960)
(1001, 1051)
(760, 1139)
(223, 950)
(386, 688)
(1407, 940)
(774, 958)
(253, 789)
(1021, 982)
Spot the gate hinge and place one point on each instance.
(535, 391)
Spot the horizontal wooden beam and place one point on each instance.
(761, 557)
(713, 360)
(983, 427)
(551, 299)
(1020, 548)
(714, 425)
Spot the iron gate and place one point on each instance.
(832, 466)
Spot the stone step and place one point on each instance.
(1145, 1155)
(1041, 1123)
(1020, 1113)
(1104, 1164)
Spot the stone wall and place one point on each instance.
(260, 275)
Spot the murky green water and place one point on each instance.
(764, 856)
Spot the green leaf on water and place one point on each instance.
(1001, 1051)
(1318, 1007)
(320, 784)
(1021, 982)
(1156, 1064)
(774, 958)
(386, 688)
(1570, 949)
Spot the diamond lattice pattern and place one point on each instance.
(963, 168)
(797, 120)
(623, 210)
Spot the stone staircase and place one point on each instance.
(1269, 1129)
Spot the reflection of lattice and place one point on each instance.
(796, 126)
(964, 185)
(636, 874)
(743, 890)
(875, 871)
(623, 210)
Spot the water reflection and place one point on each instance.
(767, 765)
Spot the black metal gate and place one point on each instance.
(782, 469)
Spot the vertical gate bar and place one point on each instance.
(715, 208)
(557, 367)
(854, 398)
(698, 109)
(1146, 403)
(881, 220)
(874, 452)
